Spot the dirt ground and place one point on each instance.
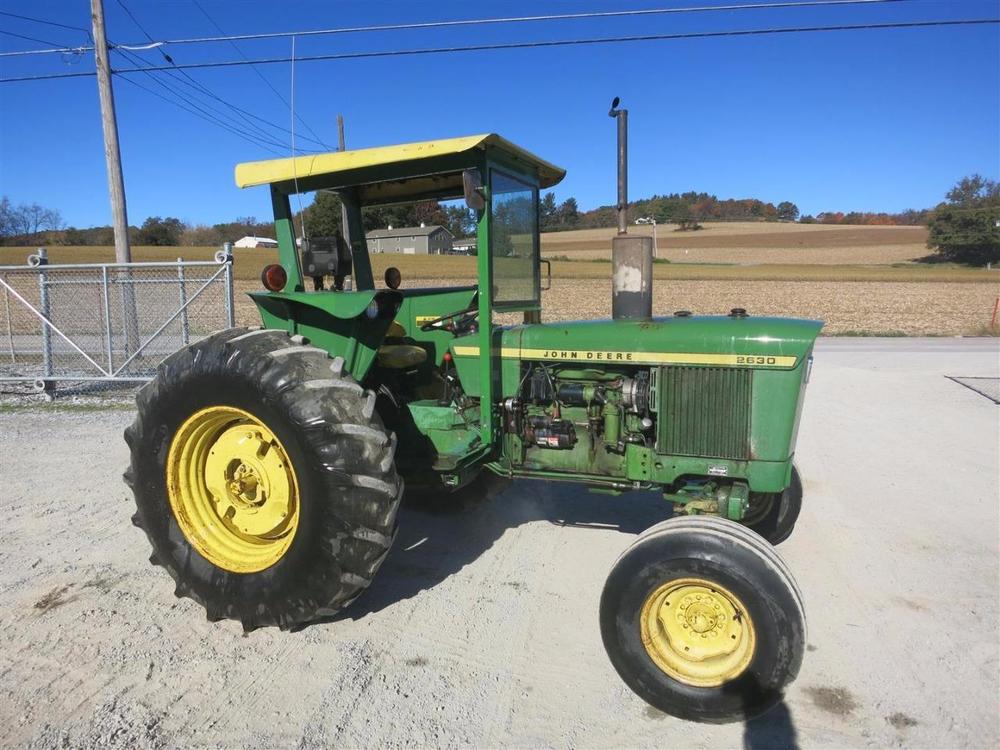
(481, 628)
(749, 242)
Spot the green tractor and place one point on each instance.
(268, 464)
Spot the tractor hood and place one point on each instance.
(774, 343)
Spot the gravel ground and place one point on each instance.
(481, 628)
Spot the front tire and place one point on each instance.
(263, 478)
(702, 620)
(773, 514)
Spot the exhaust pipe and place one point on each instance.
(631, 257)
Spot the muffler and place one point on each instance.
(631, 256)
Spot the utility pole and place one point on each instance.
(116, 183)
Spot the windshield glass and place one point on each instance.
(513, 241)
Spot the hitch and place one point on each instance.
(729, 501)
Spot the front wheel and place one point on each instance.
(773, 514)
(702, 620)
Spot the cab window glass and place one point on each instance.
(513, 241)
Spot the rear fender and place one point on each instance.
(351, 325)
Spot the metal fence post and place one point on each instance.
(108, 328)
(227, 248)
(43, 300)
(185, 328)
(10, 324)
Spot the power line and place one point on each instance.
(196, 113)
(263, 78)
(204, 89)
(534, 19)
(35, 39)
(531, 45)
(185, 78)
(255, 131)
(45, 22)
(490, 21)
(585, 41)
(209, 114)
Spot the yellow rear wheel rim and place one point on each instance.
(697, 632)
(232, 489)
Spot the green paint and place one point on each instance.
(453, 436)
(335, 322)
(288, 254)
(726, 392)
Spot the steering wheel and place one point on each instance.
(465, 317)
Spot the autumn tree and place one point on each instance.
(787, 211)
(966, 228)
(160, 231)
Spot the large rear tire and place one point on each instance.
(263, 478)
(703, 620)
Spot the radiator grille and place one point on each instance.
(704, 411)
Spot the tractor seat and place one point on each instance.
(401, 356)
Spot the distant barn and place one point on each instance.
(464, 246)
(432, 239)
(255, 242)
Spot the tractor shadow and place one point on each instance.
(434, 544)
(772, 730)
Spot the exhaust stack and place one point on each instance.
(631, 257)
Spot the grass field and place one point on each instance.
(857, 279)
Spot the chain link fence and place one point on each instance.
(97, 325)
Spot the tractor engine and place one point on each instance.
(592, 413)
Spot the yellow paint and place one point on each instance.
(636, 358)
(232, 489)
(697, 632)
(421, 319)
(283, 170)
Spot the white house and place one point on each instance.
(255, 242)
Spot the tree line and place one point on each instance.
(688, 209)
(965, 227)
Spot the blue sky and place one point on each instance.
(860, 120)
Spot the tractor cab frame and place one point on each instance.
(497, 179)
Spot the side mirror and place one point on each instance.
(472, 186)
(393, 278)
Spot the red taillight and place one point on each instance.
(273, 277)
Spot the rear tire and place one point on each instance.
(773, 515)
(344, 493)
(702, 620)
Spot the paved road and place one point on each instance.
(481, 627)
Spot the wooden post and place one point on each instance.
(112, 153)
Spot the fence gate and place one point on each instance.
(106, 322)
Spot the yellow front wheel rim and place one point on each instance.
(232, 489)
(697, 632)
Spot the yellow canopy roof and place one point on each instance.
(301, 168)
